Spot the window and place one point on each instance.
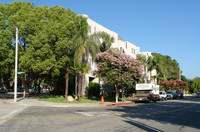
(95, 29)
(90, 29)
(95, 65)
(121, 49)
(137, 51)
(132, 50)
(90, 62)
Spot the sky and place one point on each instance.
(168, 27)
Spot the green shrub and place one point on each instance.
(93, 89)
(10, 90)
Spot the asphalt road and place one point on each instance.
(173, 115)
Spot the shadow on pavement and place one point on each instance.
(184, 112)
(10, 95)
(143, 126)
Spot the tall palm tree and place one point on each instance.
(143, 59)
(81, 69)
(83, 47)
(77, 45)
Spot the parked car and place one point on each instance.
(171, 95)
(3, 90)
(20, 89)
(198, 95)
(163, 96)
(179, 94)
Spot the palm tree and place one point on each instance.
(81, 69)
(151, 64)
(83, 46)
(77, 45)
(143, 59)
(154, 62)
(104, 40)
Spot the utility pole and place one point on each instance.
(16, 63)
(16, 60)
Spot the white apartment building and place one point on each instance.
(147, 74)
(123, 46)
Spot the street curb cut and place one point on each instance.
(119, 104)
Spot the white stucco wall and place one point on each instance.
(153, 72)
(126, 46)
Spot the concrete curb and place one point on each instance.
(35, 102)
(120, 104)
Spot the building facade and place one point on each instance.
(123, 46)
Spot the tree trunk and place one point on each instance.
(150, 76)
(101, 88)
(76, 86)
(39, 88)
(35, 85)
(25, 85)
(116, 93)
(156, 77)
(82, 79)
(79, 87)
(146, 70)
(66, 82)
(2, 82)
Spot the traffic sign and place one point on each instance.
(20, 72)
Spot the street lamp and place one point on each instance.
(16, 60)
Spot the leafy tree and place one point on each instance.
(6, 53)
(166, 67)
(46, 36)
(118, 68)
(183, 78)
(196, 84)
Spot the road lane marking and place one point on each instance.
(100, 113)
(96, 116)
(11, 113)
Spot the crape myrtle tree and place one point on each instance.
(46, 36)
(118, 68)
(104, 41)
(177, 85)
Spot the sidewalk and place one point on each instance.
(33, 101)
